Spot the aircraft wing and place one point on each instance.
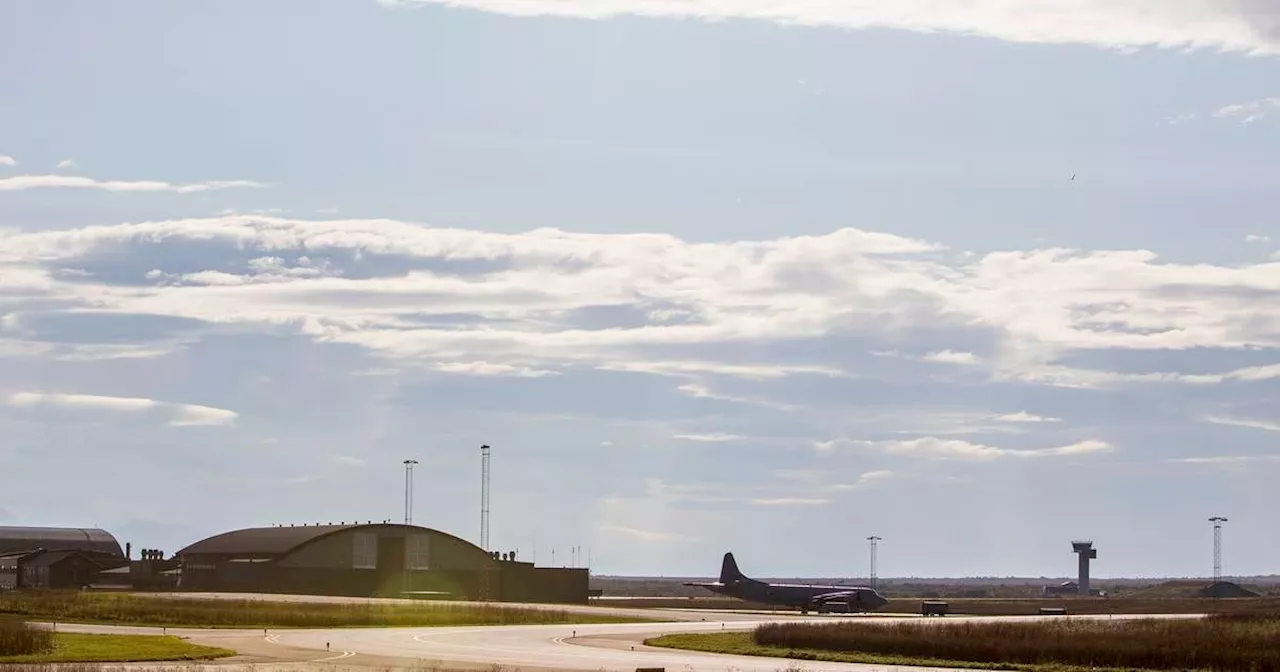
(713, 584)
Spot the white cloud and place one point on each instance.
(180, 415)
(800, 475)
(1121, 24)
(201, 416)
(1242, 422)
(709, 438)
(1247, 113)
(490, 369)
(90, 401)
(1257, 238)
(791, 501)
(1023, 416)
(67, 163)
(866, 479)
(660, 490)
(1178, 119)
(931, 447)
(951, 357)
(1227, 459)
(645, 535)
(701, 391)
(7, 160)
(737, 370)
(24, 182)
(348, 461)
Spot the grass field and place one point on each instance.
(75, 648)
(125, 609)
(1223, 643)
(999, 607)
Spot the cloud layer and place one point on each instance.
(536, 304)
(1244, 25)
(26, 182)
(179, 415)
(954, 449)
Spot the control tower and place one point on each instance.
(1087, 552)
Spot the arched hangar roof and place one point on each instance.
(17, 539)
(278, 541)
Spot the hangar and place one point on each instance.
(55, 557)
(24, 539)
(368, 560)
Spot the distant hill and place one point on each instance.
(1188, 589)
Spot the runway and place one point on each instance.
(595, 647)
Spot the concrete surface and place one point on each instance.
(536, 648)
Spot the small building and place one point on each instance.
(1064, 588)
(67, 569)
(369, 560)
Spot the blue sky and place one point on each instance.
(757, 276)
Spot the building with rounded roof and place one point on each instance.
(28, 539)
(56, 557)
(367, 560)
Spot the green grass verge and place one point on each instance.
(128, 609)
(77, 648)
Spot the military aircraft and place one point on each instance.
(822, 599)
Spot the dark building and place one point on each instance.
(26, 539)
(55, 569)
(55, 557)
(375, 559)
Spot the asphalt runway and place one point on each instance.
(595, 647)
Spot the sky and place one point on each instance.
(761, 276)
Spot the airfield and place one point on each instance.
(609, 647)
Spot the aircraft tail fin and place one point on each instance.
(729, 572)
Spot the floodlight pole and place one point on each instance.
(1217, 549)
(408, 491)
(484, 497)
(874, 542)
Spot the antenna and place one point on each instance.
(484, 497)
(874, 542)
(1217, 549)
(408, 491)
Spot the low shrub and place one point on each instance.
(20, 639)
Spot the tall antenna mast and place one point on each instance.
(408, 491)
(1217, 548)
(484, 497)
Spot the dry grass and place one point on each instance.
(82, 607)
(19, 639)
(1226, 643)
